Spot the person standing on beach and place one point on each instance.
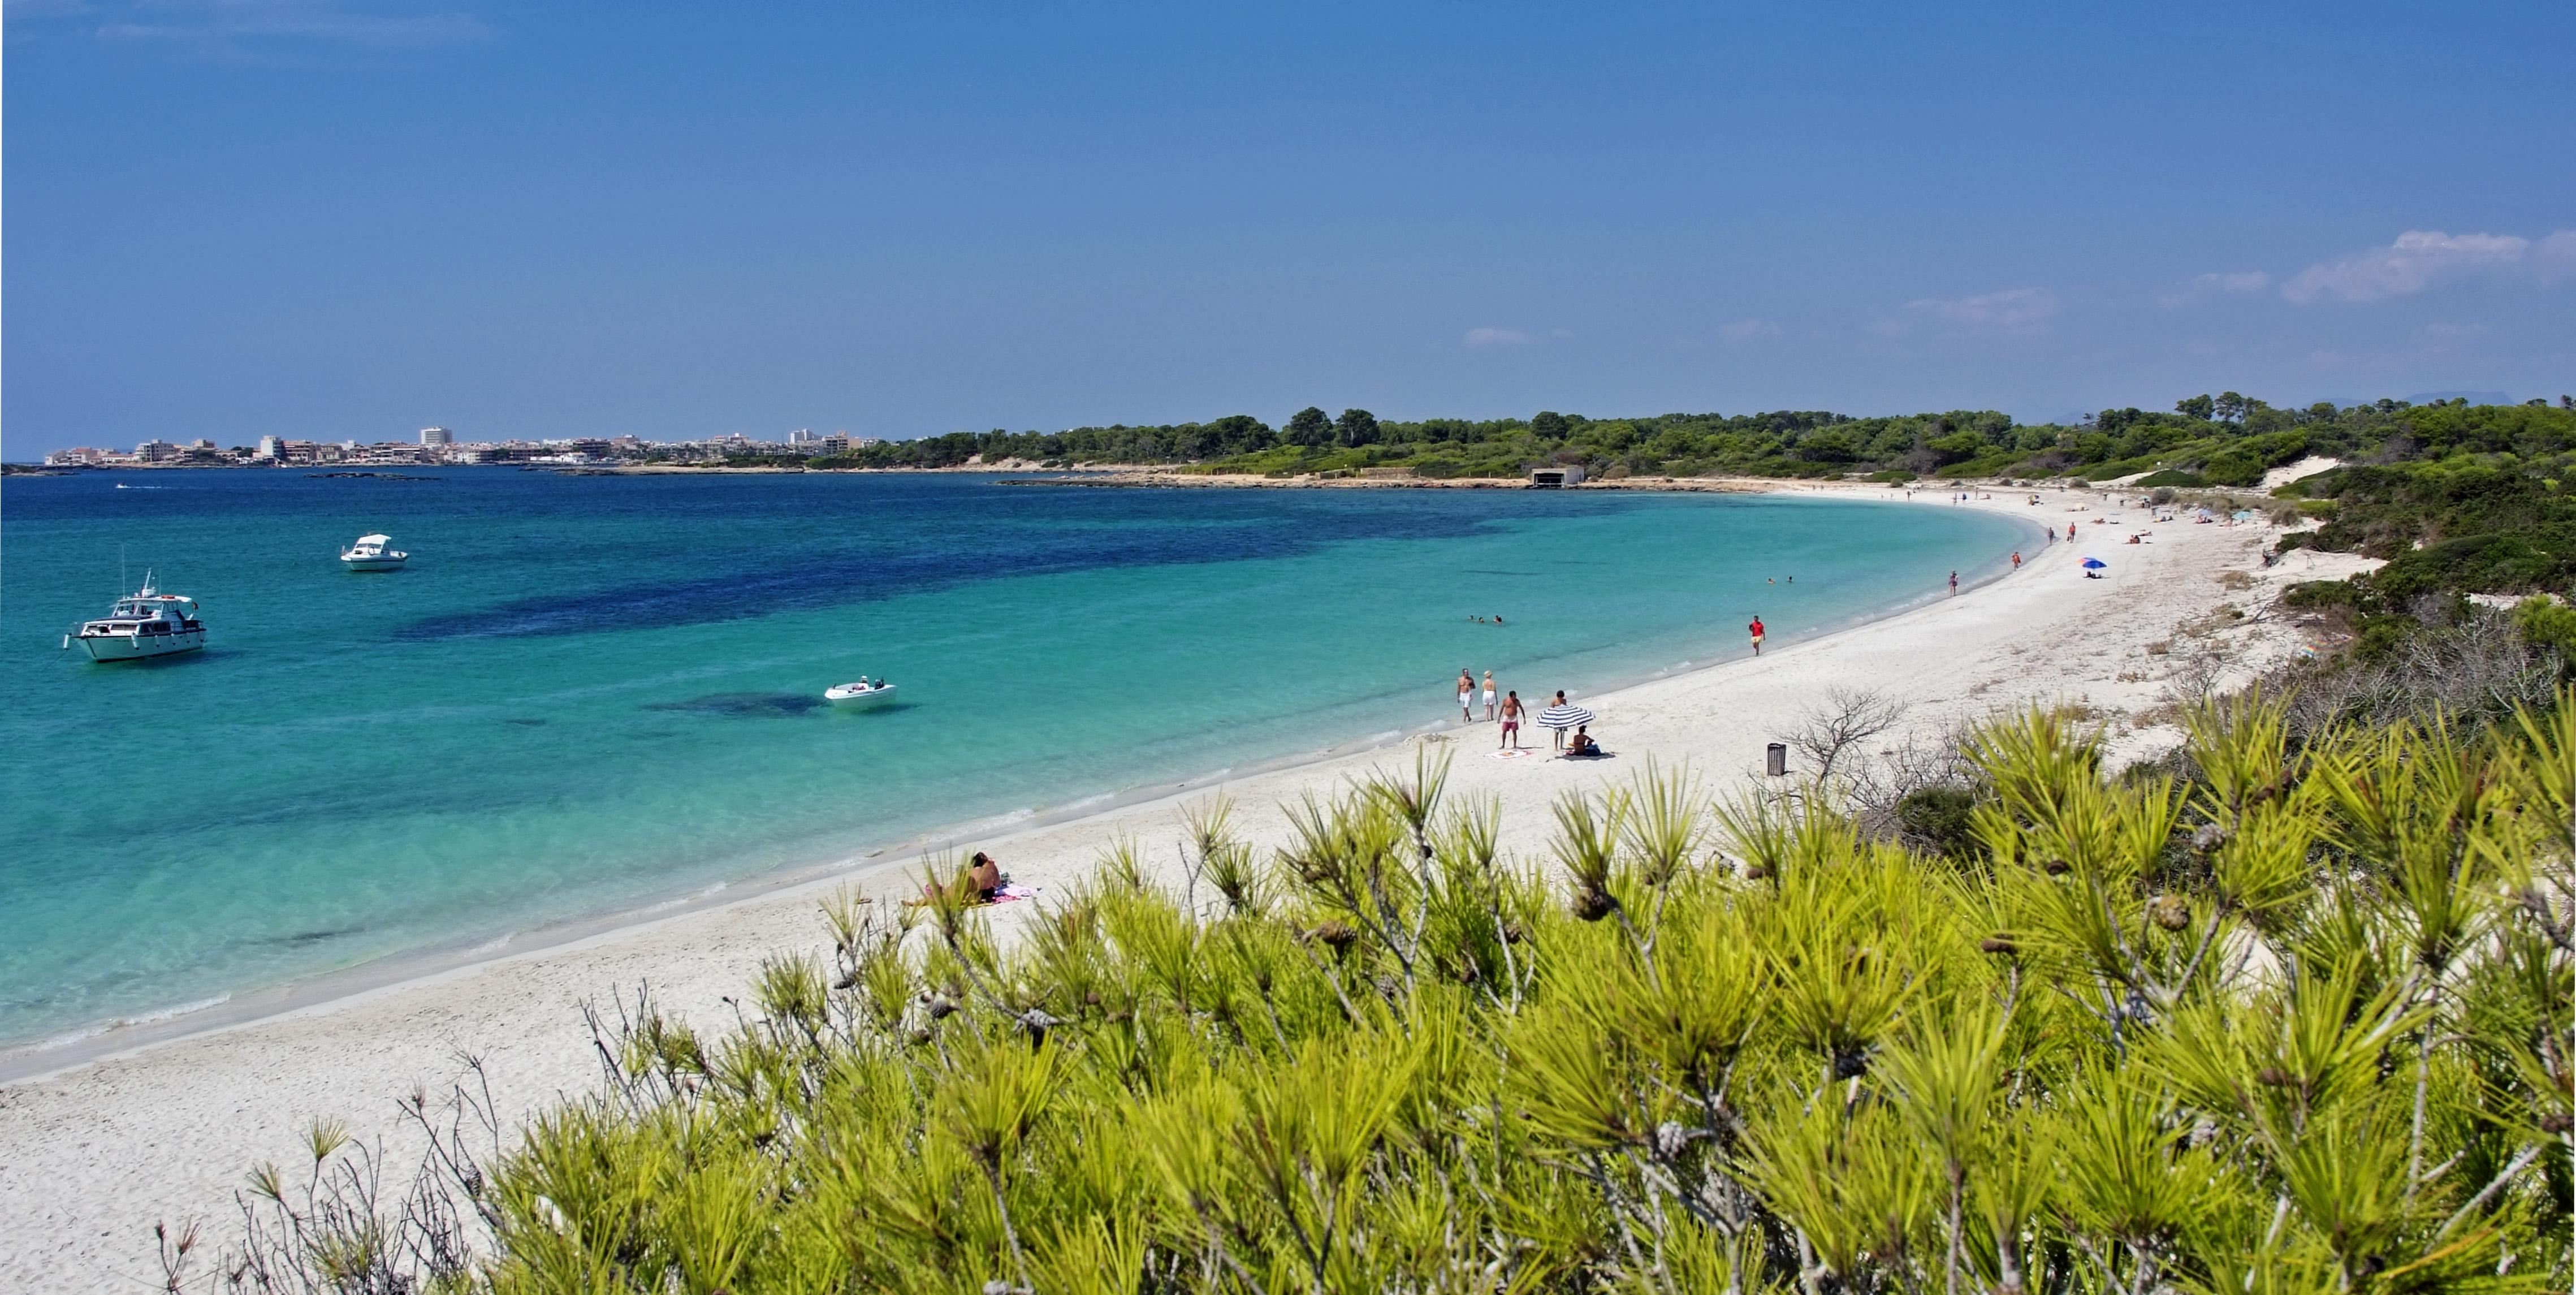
(1755, 629)
(1466, 695)
(1954, 582)
(1512, 712)
(1557, 735)
(1489, 696)
(2016, 559)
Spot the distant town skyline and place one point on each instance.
(333, 219)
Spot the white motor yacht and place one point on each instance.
(145, 623)
(856, 696)
(370, 554)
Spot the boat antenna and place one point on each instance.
(120, 570)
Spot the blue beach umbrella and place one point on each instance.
(2094, 564)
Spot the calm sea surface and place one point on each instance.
(594, 692)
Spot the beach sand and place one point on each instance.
(93, 1155)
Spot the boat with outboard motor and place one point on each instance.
(145, 623)
(860, 695)
(370, 554)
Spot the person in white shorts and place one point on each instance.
(1489, 696)
(1466, 695)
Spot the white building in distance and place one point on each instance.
(437, 436)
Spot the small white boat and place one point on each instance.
(370, 554)
(145, 623)
(860, 695)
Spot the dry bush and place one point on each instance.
(2474, 669)
(1845, 719)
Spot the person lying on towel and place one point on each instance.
(981, 881)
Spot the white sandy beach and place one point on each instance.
(92, 1156)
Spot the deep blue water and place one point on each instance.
(592, 692)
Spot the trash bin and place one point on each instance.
(1776, 759)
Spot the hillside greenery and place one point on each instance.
(2291, 1016)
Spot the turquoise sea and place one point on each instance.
(593, 693)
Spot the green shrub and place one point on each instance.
(2235, 467)
(2174, 477)
(1940, 819)
(2298, 1023)
(2546, 622)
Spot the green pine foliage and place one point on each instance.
(2298, 1021)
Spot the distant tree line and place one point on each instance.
(2223, 440)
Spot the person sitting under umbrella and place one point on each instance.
(1561, 715)
(1582, 747)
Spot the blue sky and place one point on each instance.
(352, 218)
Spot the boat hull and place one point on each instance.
(859, 700)
(122, 647)
(374, 564)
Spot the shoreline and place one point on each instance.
(94, 1150)
(59, 1052)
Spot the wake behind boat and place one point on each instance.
(145, 623)
(370, 554)
(859, 695)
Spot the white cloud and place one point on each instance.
(1746, 330)
(1498, 337)
(2421, 258)
(2012, 310)
(379, 24)
(2555, 258)
(2206, 284)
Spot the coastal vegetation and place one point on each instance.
(2457, 500)
(2227, 440)
(2288, 1012)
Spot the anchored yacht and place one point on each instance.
(370, 554)
(145, 623)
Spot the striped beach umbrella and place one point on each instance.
(1563, 717)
